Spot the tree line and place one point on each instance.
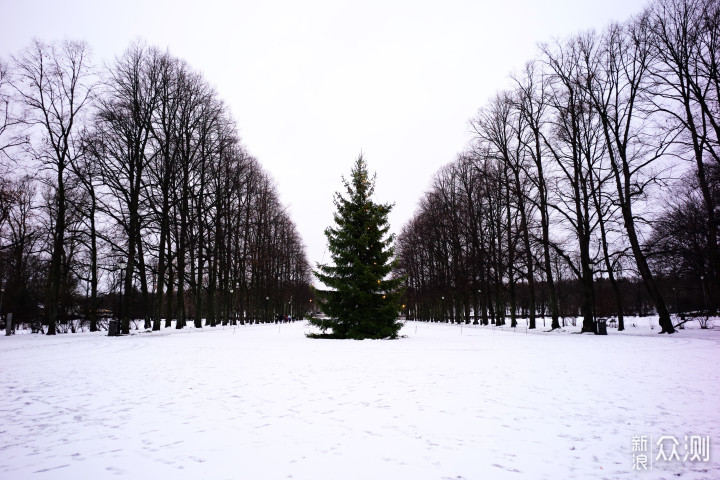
(594, 174)
(126, 191)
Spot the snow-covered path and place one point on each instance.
(264, 402)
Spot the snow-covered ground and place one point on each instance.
(265, 402)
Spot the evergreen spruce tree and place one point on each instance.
(363, 301)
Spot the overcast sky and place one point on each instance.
(311, 84)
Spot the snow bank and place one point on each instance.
(264, 402)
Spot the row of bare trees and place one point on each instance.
(566, 171)
(136, 188)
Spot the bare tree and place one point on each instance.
(123, 131)
(55, 84)
(577, 146)
(20, 234)
(683, 79)
(86, 170)
(10, 116)
(532, 103)
(616, 83)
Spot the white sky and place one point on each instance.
(313, 83)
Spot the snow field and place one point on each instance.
(264, 402)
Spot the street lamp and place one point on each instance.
(702, 281)
(122, 266)
(267, 319)
(2, 292)
(442, 316)
(242, 320)
(230, 313)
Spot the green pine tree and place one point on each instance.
(363, 301)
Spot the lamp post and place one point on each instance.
(702, 282)
(230, 310)
(266, 309)
(121, 325)
(595, 288)
(2, 292)
(442, 316)
(237, 307)
(478, 305)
